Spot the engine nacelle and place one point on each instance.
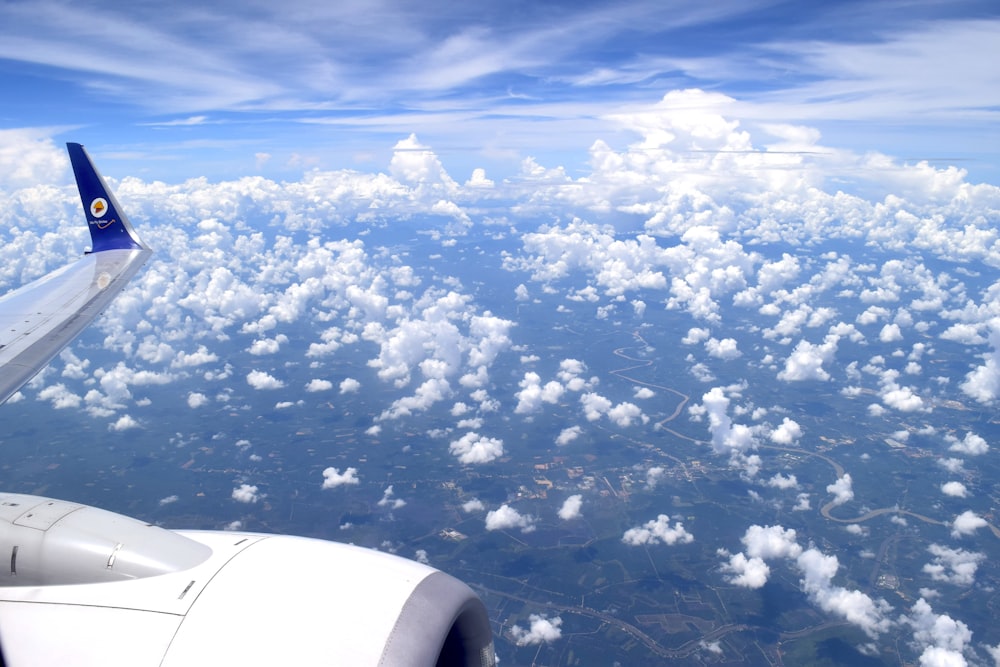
(212, 598)
(56, 542)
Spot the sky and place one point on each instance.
(811, 190)
(224, 89)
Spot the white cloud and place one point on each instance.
(967, 523)
(624, 414)
(955, 489)
(506, 517)
(263, 380)
(817, 570)
(349, 386)
(124, 423)
(806, 361)
(245, 493)
(473, 448)
(725, 349)
(332, 477)
(319, 385)
(942, 639)
(190, 360)
(196, 399)
(541, 630)
(747, 572)
(736, 440)
(953, 566)
(61, 397)
(771, 542)
(533, 395)
(430, 392)
(568, 435)
(473, 505)
(169, 500)
(970, 445)
(658, 531)
(571, 508)
(265, 346)
(779, 481)
(890, 333)
(857, 608)
(787, 433)
(388, 499)
(594, 406)
(841, 489)
(983, 383)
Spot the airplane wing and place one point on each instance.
(39, 319)
(85, 586)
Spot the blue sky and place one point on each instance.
(225, 89)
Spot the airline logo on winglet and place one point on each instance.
(99, 207)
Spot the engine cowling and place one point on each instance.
(222, 598)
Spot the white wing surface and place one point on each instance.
(39, 319)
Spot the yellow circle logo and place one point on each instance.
(99, 207)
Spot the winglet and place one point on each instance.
(109, 228)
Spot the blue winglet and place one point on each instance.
(109, 228)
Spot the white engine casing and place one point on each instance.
(217, 598)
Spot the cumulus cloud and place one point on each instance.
(196, 399)
(890, 333)
(818, 570)
(245, 493)
(263, 380)
(787, 433)
(955, 489)
(506, 517)
(533, 394)
(265, 346)
(841, 489)
(967, 523)
(736, 440)
(695, 335)
(389, 500)
(625, 414)
(771, 542)
(763, 543)
(349, 386)
(941, 639)
(332, 477)
(430, 392)
(571, 507)
(779, 481)
(541, 630)
(124, 423)
(60, 396)
(473, 505)
(595, 406)
(749, 572)
(319, 385)
(568, 435)
(725, 349)
(983, 383)
(953, 566)
(473, 449)
(970, 445)
(807, 360)
(658, 531)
